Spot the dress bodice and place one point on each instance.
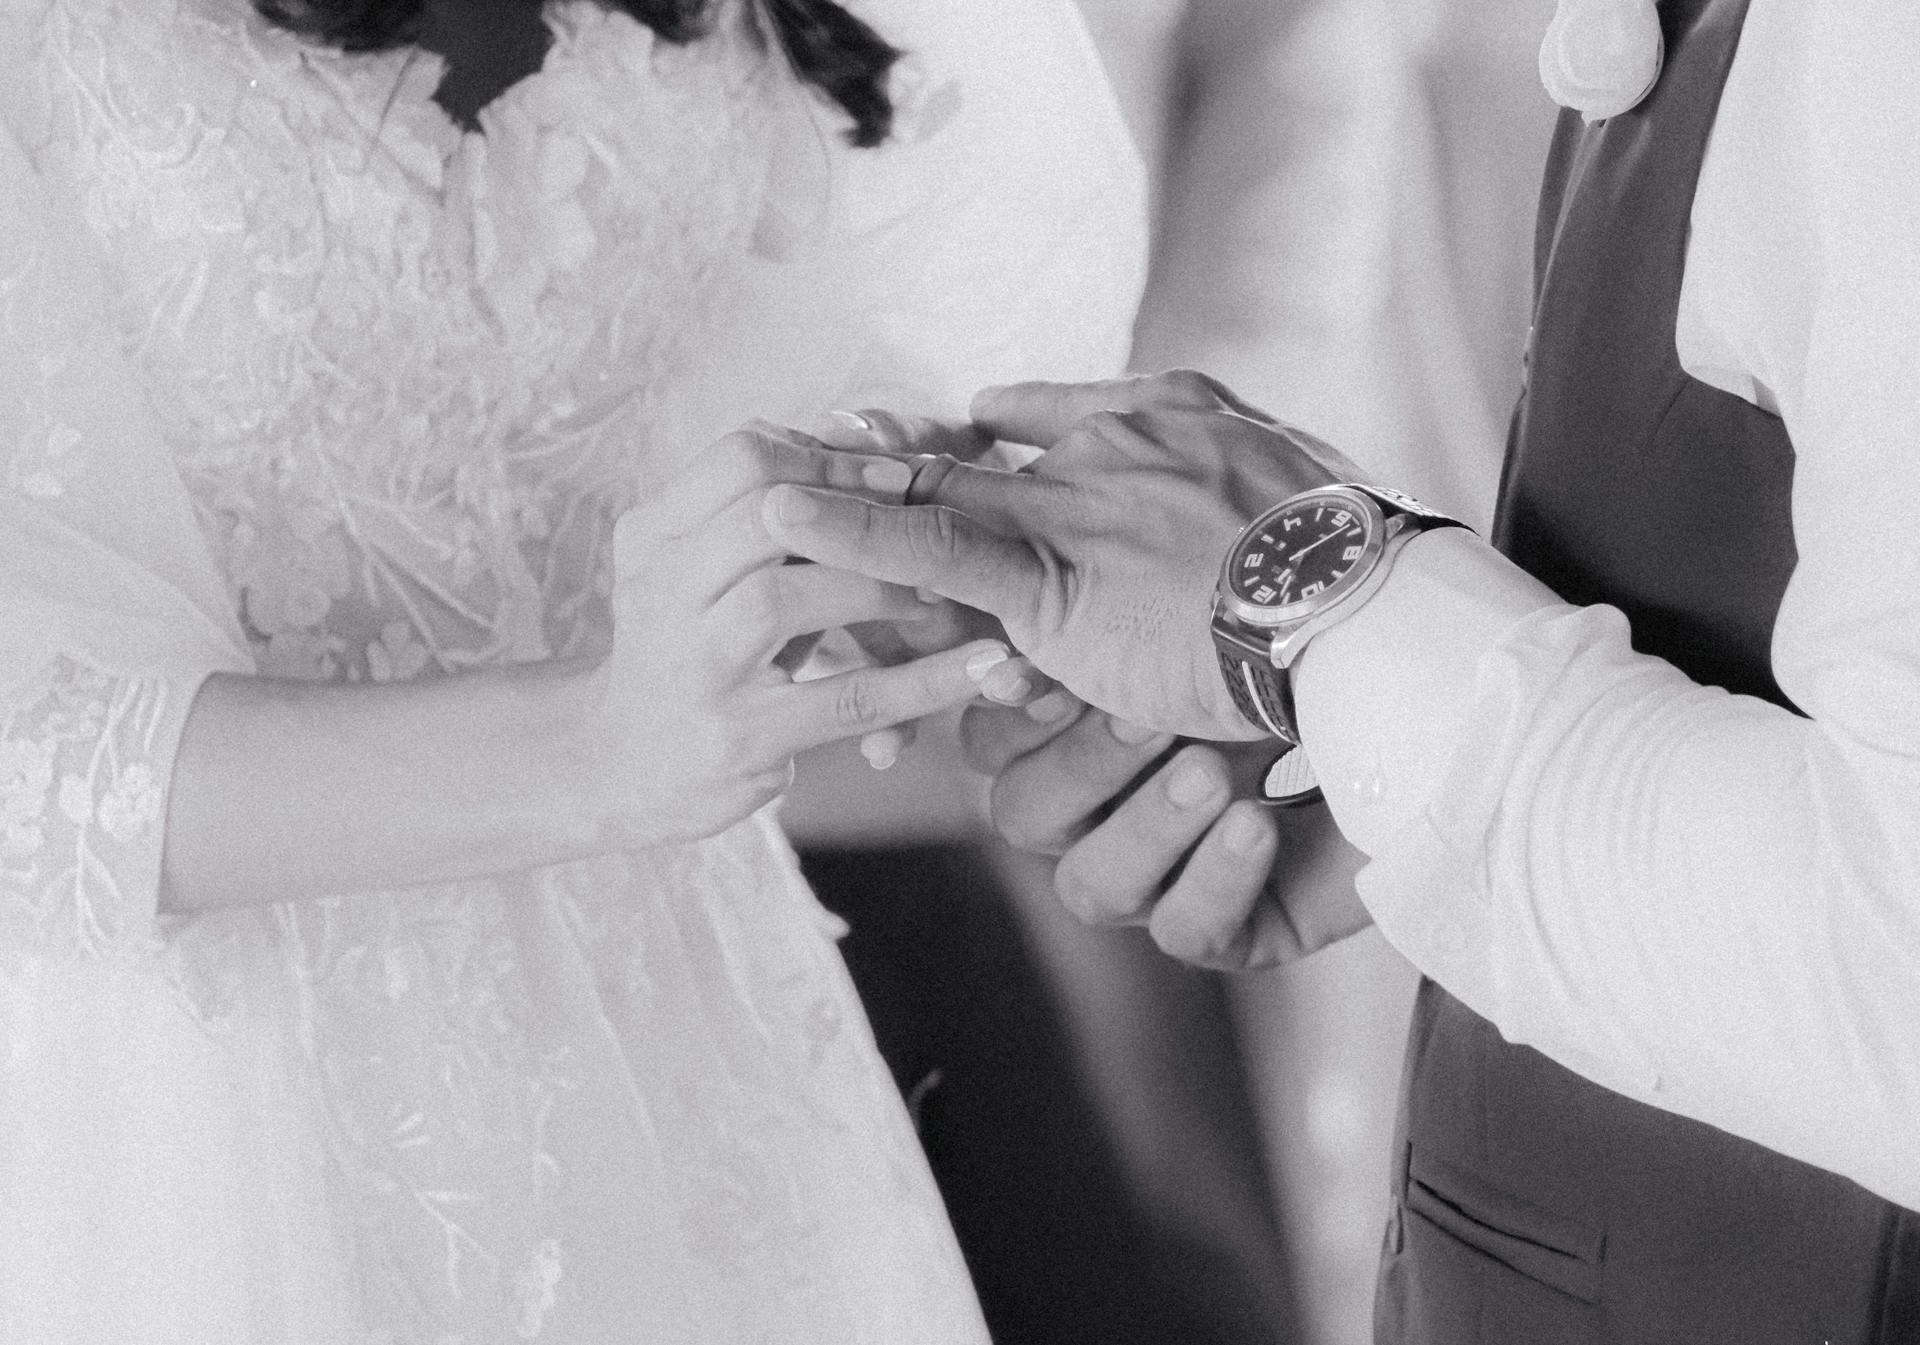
(408, 375)
(407, 371)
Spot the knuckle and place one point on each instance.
(857, 703)
(888, 431)
(1107, 424)
(932, 535)
(745, 459)
(1188, 385)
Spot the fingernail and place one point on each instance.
(789, 504)
(1242, 833)
(880, 755)
(1007, 687)
(854, 420)
(1130, 733)
(887, 476)
(986, 660)
(929, 597)
(1192, 785)
(1051, 708)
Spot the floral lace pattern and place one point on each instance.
(79, 806)
(434, 403)
(408, 375)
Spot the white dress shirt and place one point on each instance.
(1699, 900)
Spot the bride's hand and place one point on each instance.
(1016, 682)
(696, 723)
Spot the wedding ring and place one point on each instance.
(929, 470)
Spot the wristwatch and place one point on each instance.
(1302, 566)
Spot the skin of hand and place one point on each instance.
(1015, 682)
(286, 789)
(698, 723)
(1100, 560)
(1156, 831)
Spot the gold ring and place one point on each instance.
(929, 470)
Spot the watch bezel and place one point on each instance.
(1272, 617)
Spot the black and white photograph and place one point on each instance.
(897, 672)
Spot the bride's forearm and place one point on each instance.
(291, 789)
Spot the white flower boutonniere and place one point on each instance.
(1601, 57)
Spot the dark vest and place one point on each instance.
(1530, 1206)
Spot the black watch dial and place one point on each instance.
(1299, 552)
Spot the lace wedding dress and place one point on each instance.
(298, 378)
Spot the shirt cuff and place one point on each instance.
(1443, 889)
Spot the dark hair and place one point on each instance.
(831, 49)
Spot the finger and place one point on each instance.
(991, 495)
(993, 736)
(1016, 683)
(749, 460)
(945, 625)
(872, 430)
(1117, 870)
(1042, 414)
(711, 561)
(1047, 800)
(853, 704)
(885, 747)
(932, 548)
(994, 496)
(779, 603)
(849, 431)
(793, 656)
(1216, 913)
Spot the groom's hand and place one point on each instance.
(1152, 832)
(1100, 560)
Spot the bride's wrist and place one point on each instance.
(582, 746)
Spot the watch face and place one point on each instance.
(1299, 553)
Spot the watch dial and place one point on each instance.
(1300, 553)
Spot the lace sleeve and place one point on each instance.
(83, 755)
(110, 610)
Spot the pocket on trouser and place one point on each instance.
(1562, 1254)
